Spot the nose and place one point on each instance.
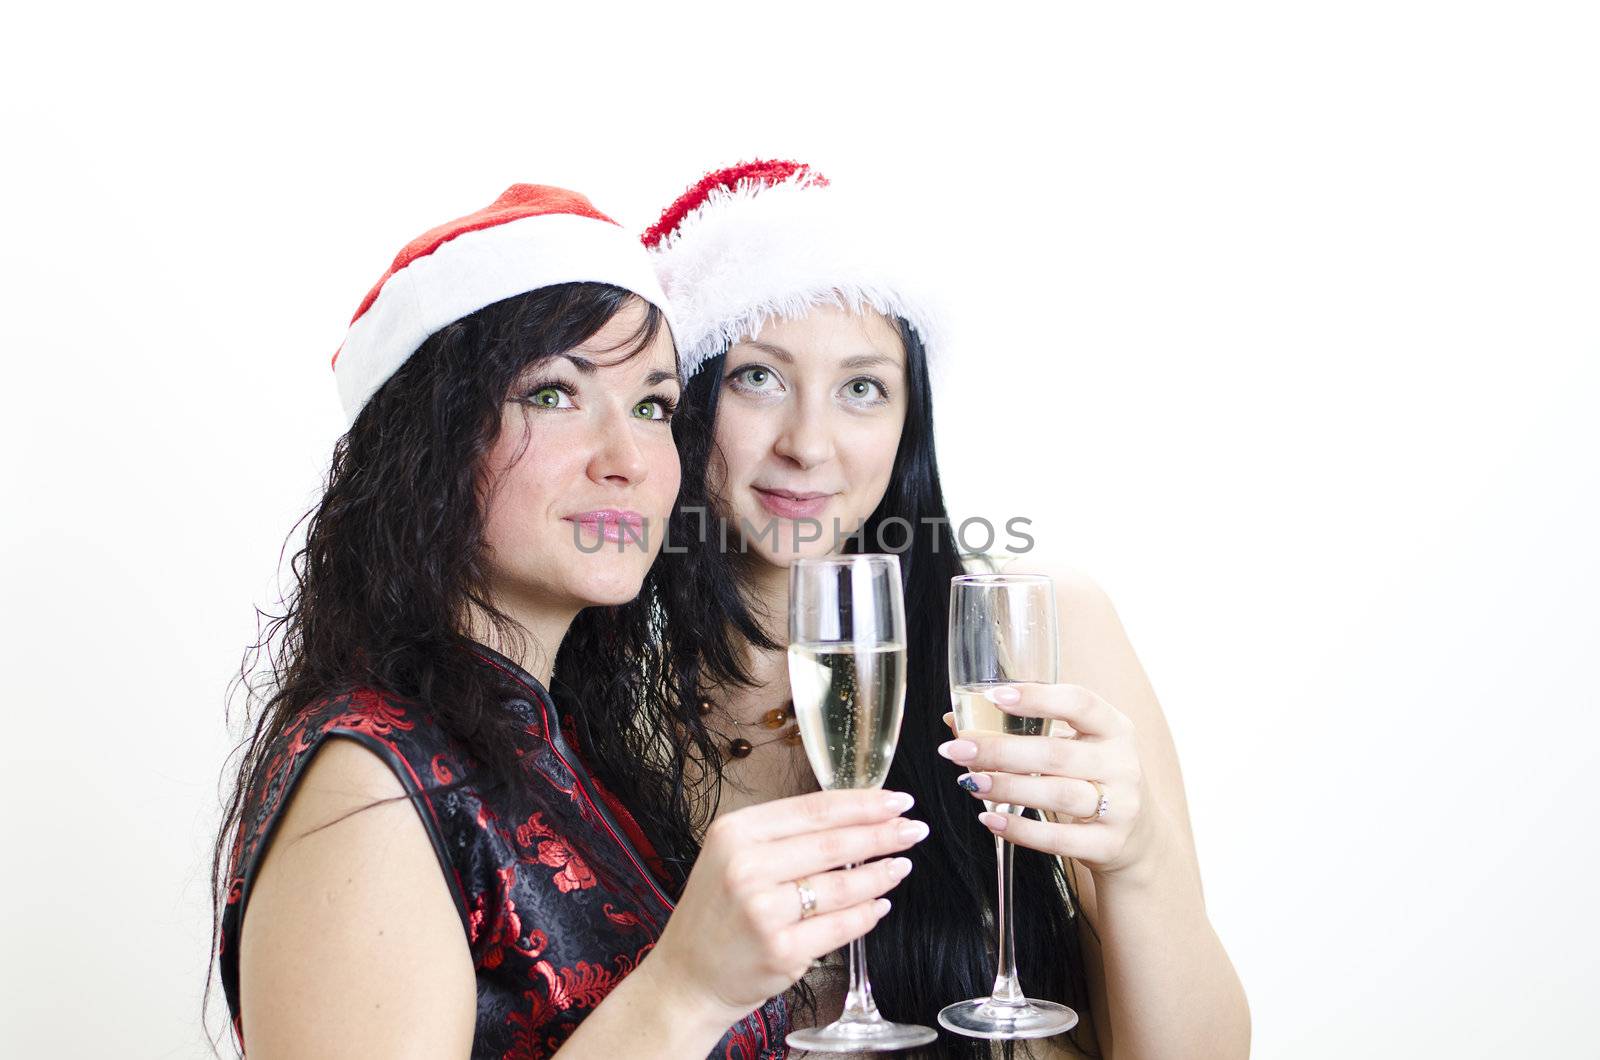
(805, 438)
(617, 459)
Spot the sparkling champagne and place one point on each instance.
(977, 712)
(848, 701)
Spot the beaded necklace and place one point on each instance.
(776, 718)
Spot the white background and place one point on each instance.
(1280, 322)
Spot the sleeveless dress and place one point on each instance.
(559, 892)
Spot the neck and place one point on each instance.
(767, 591)
(538, 628)
(769, 596)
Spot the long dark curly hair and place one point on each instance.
(936, 945)
(393, 560)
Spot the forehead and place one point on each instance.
(831, 334)
(615, 351)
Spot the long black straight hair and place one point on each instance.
(936, 945)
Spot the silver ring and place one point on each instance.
(808, 897)
(1102, 805)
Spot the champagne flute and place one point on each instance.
(847, 673)
(1002, 632)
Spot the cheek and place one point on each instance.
(872, 455)
(513, 512)
(530, 475)
(740, 444)
(666, 475)
(508, 447)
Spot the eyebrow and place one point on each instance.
(582, 364)
(587, 367)
(863, 360)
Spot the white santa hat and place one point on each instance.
(771, 239)
(532, 236)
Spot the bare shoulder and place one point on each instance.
(1094, 645)
(1095, 652)
(352, 944)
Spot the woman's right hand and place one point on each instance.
(737, 936)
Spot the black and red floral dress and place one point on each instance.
(559, 891)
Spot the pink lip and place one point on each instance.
(609, 522)
(789, 504)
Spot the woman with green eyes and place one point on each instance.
(807, 419)
(451, 827)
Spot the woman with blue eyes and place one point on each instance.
(458, 824)
(817, 422)
(808, 418)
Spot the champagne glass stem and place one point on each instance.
(1006, 990)
(858, 1003)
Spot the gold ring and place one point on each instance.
(1102, 805)
(808, 897)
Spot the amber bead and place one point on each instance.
(774, 718)
(740, 748)
(793, 739)
(705, 707)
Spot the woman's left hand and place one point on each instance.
(1090, 782)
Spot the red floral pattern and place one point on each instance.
(557, 909)
(367, 712)
(622, 919)
(574, 874)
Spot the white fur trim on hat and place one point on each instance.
(758, 252)
(477, 269)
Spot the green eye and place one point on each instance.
(649, 410)
(866, 389)
(756, 379)
(546, 397)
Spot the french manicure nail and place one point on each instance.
(959, 750)
(977, 783)
(994, 821)
(899, 868)
(1005, 695)
(881, 906)
(913, 831)
(897, 801)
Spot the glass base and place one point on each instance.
(861, 1036)
(985, 1018)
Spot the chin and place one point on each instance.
(786, 558)
(609, 588)
(781, 560)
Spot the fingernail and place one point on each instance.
(977, 783)
(959, 750)
(881, 907)
(899, 868)
(993, 821)
(897, 801)
(1005, 695)
(913, 831)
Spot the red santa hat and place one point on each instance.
(532, 236)
(771, 239)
